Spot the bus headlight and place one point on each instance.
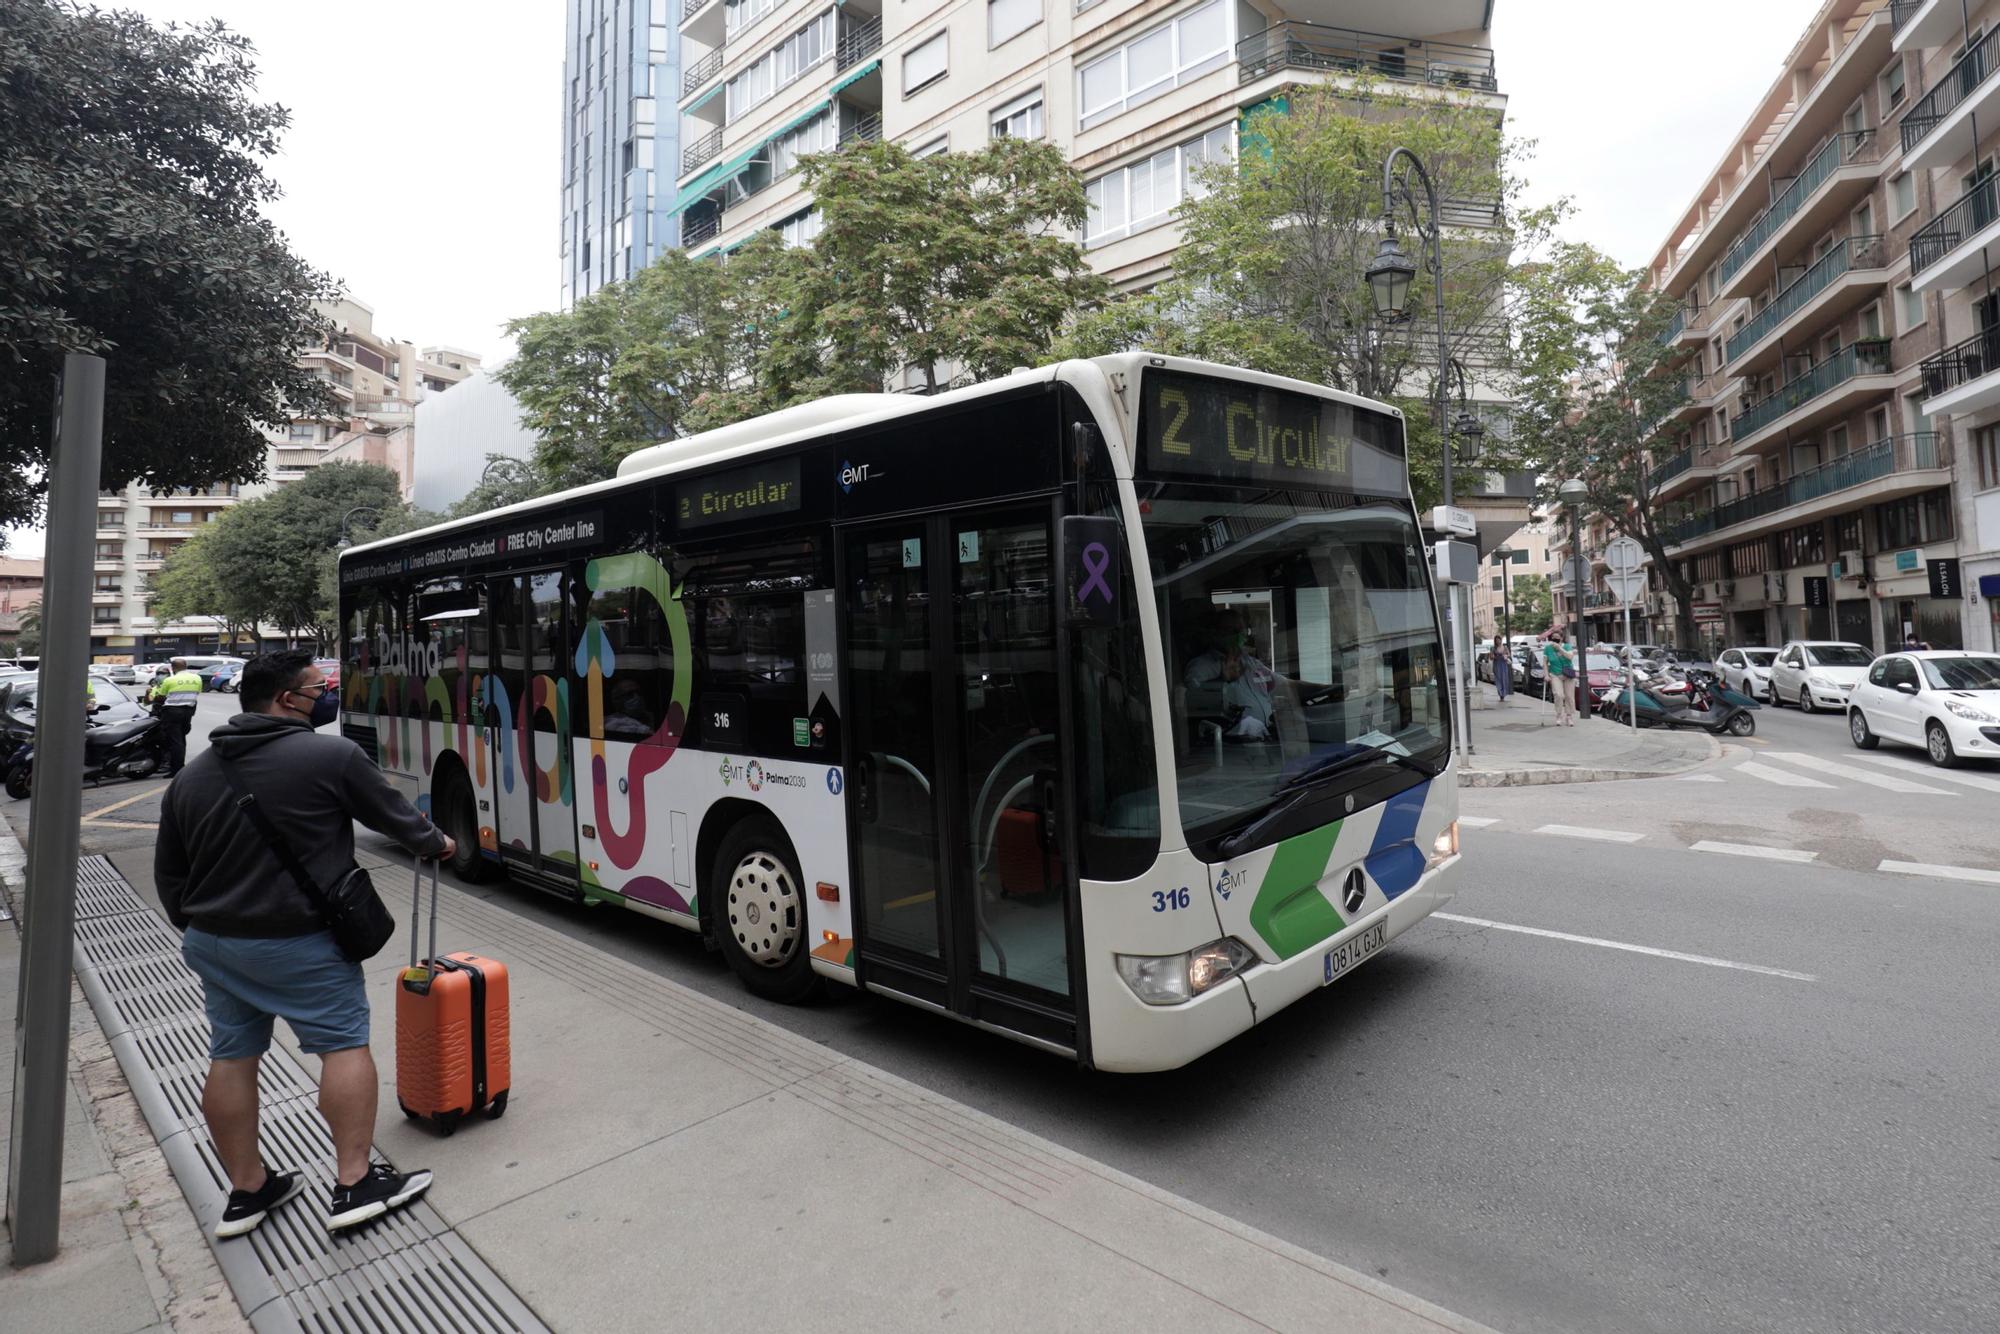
(1173, 979)
(1444, 846)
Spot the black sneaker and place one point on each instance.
(383, 1189)
(247, 1208)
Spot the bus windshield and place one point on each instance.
(1300, 630)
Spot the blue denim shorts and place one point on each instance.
(305, 979)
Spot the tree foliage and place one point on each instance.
(130, 190)
(1596, 423)
(1530, 606)
(1275, 249)
(959, 265)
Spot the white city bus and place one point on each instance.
(1102, 705)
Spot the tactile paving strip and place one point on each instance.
(406, 1272)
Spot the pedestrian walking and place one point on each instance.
(173, 698)
(1503, 671)
(1562, 674)
(248, 894)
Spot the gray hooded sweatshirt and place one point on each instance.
(212, 868)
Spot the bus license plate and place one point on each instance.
(1344, 957)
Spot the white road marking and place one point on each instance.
(1935, 773)
(1699, 778)
(1869, 777)
(1972, 873)
(1478, 821)
(1778, 776)
(1755, 850)
(1580, 831)
(1630, 949)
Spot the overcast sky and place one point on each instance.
(422, 164)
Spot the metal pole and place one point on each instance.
(1631, 686)
(1576, 601)
(48, 921)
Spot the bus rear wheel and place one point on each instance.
(758, 900)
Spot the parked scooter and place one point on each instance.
(1709, 706)
(135, 749)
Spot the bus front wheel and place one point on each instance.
(461, 821)
(758, 899)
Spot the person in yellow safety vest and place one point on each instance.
(173, 698)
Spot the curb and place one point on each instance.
(1579, 773)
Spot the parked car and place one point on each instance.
(1815, 673)
(210, 669)
(17, 702)
(1602, 671)
(1947, 702)
(1747, 670)
(228, 677)
(121, 672)
(330, 669)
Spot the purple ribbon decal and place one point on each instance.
(1096, 560)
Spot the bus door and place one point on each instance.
(956, 805)
(528, 725)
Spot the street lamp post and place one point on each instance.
(1389, 277)
(346, 541)
(1573, 492)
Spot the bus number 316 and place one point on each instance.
(1163, 899)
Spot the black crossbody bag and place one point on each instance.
(353, 911)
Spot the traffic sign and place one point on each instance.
(1624, 555)
(1707, 611)
(1570, 574)
(1626, 587)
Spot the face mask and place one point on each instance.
(324, 709)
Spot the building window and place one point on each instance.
(1020, 118)
(815, 136)
(1150, 65)
(1894, 86)
(1010, 18)
(800, 230)
(1871, 320)
(740, 14)
(1146, 192)
(783, 64)
(1804, 545)
(1920, 421)
(1902, 197)
(302, 433)
(932, 147)
(1909, 308)
(1986, 450)
(926, 62)
(104, 615)
(1914, 520)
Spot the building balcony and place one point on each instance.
(695, 231)
(858, 43)
(104, 595)
(700, 72)
(1825, 391)
(1296, 45)
(1604, 600)
(1961, 243)
(1684, 471)
(1964, 377)
(1832, 180)
(1843, 278)
(1921, 24)
(1937, 130)
(1690, 324)
(864, 131)
(701, 151)
(1885, 470)
(700, 19)
(108, 564)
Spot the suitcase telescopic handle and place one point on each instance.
(416, 913)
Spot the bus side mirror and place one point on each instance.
(1091, 555)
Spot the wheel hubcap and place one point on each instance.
(766, 910)
(1937, 744)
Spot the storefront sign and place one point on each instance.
(1815, 586)
(1989, 587)
(1909, 560)
(1708, 611)
(1945, 581)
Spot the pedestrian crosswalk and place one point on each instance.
(1906, 773)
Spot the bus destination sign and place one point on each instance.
(770, 487)
(1225, 430)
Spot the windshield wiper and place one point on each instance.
(1299, 789)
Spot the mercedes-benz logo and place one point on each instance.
(1356, 891)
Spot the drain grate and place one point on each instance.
(406, 1272)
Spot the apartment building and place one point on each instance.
(377, 383)
(1816, 462)
(1949, 135)
(1531, 551)
(621, 76)
(1138, 93)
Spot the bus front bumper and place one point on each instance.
(1130, 1036)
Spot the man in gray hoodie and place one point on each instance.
(259, 943)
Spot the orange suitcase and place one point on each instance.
(451, 1030)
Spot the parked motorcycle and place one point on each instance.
(1709, 706)
(134, 749)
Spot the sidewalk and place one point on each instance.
(663, 1151)
(1518, 743)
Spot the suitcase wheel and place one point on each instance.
(498, 1107)
(447, 1122)
(406, 1109)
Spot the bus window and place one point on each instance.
(1117, 787)
(748, 613)
(642, 676)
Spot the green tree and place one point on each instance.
(193, 582)
(1530, 606)
(274, 549)
(131, 189)
(388, 523)
(28, 635)
(505, 481)
(1597, 423)
(1271, 270)
(957, 263)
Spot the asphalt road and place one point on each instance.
(1552, 1133)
